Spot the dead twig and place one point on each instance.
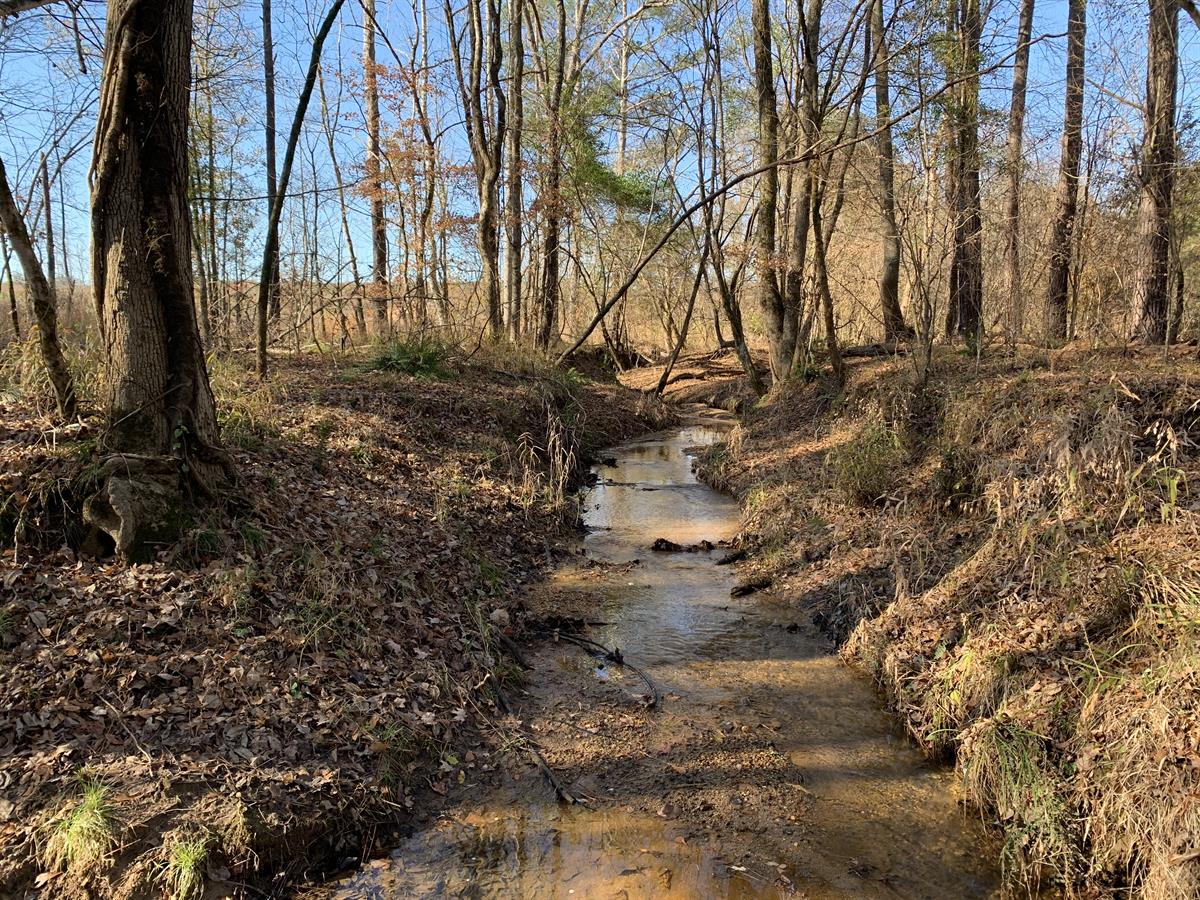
(599, 651)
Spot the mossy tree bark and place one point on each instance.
(162, 439)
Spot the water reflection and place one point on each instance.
(877, 821)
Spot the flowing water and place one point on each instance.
(836, 804)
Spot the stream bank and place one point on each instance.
(309, 665)
(1013, 554)
(757, 766)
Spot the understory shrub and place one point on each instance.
(867, 468)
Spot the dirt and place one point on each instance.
(756, 765)
(291, 678)
(1012, 554)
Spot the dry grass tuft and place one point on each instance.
(1044, 541)
(868, 467)
(83, 833)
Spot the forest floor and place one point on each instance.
(311, 664)
(1013, 553)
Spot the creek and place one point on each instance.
(768, 770)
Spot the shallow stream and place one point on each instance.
(779, 772)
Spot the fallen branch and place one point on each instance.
(559, 791)
(535, 754)
(599, 651)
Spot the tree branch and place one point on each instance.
(16, 7)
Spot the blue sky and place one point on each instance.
(41, 87)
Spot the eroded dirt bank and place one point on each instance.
(307, 665)
(720, 750)
(1013, 554)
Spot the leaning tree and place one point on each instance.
(162, 443)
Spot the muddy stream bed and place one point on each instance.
(768, 769)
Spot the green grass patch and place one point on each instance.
(867, 468)
(182, 875)
(83, 834)
(419, 357)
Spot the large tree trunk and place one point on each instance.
(162, 434)
(1014, 162)
(894, 326)
(374, 161)
(965, 313)
(770, 297)
(37, 290)
(1149, 313)
(1068, 185)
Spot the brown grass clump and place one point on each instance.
(1027, 591)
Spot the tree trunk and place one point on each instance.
(48, 211)
(1149, 312)
(12, 288)
(481, 99)
(37, 291)
(1176, 320)
(965, 314)
(769, 294)
(1014, 162)
(514, 199)
(551, 289)
(810, 132)
(894, 326)
(1068, 185)
(379, 247)
(269, 128)
(162, 429)
(271, 246)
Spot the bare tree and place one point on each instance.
(965, 313)
(894, 326)
(379, 245)
(769, 294)
(271, 246)
(1157, 175)
(514, 198)
(484, 110)
(269, 134)
(1061, 242)
(41, 297)
(1014, 163)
